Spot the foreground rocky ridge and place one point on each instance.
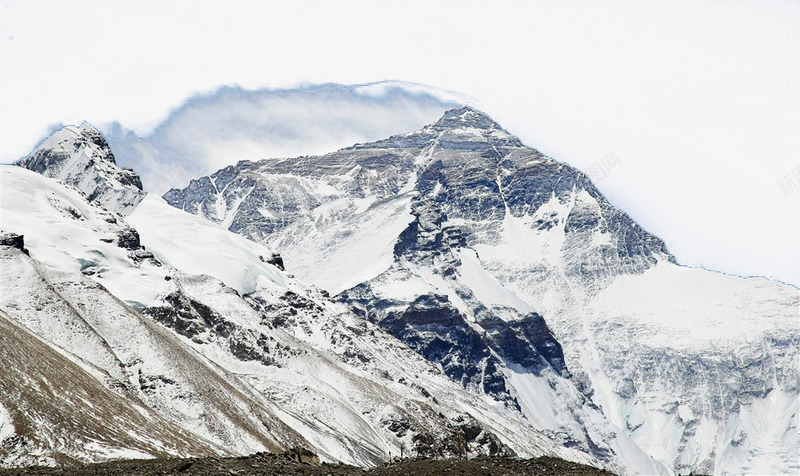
(283, 465)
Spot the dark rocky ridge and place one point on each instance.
(263, 464)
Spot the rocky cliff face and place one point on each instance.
(513, 274)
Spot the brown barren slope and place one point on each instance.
(59, 409)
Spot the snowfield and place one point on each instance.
(197, 246)
(67, 233)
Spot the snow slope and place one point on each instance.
(70, 234)
(197, 246)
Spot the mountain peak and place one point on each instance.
(467, 127)
(466, 117)
(83, 134)
(81, 157)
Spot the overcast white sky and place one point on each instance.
(700, 101)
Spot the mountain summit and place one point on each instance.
(466, 117)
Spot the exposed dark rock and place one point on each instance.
(527, 342)
(149, 383)
(243, 349)
(142, 255)
(302, 455)
(398, 427)
(275, 260)
(297, 301)
(13, 240)
(129, 239)
(439, 332)
(188, 317)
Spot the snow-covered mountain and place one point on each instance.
(81, 157)
(514, 275)
(132, 329)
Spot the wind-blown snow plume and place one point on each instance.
(211, 131)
